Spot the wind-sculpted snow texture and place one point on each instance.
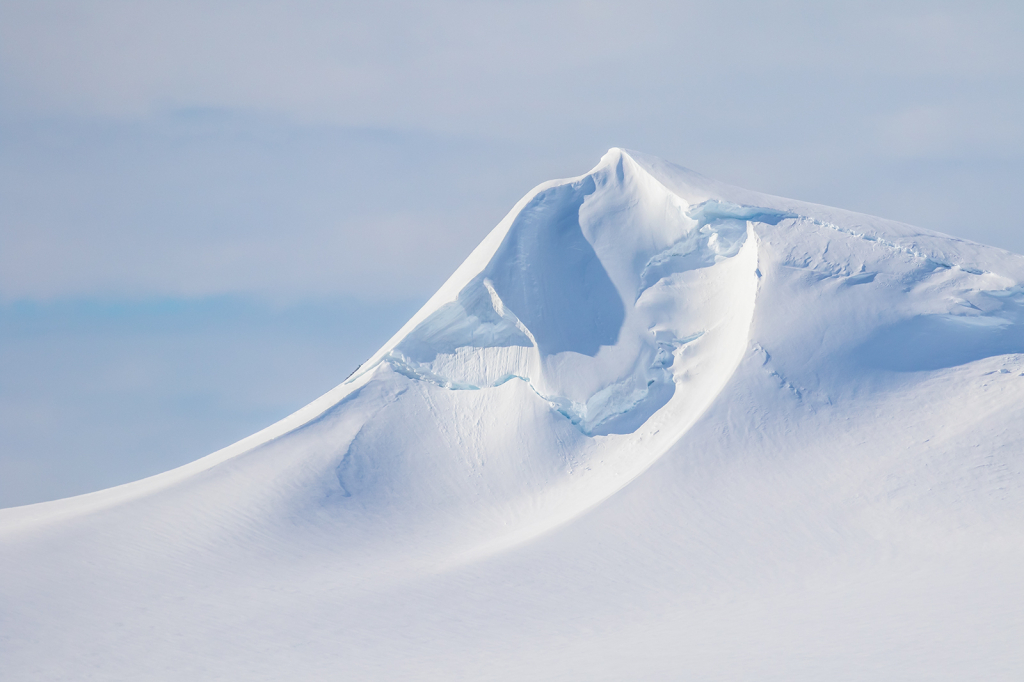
(655, 427)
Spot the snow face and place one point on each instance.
(547, 310)
(968, 332)
(655, 427)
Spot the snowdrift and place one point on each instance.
(654, 427)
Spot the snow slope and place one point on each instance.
(655, 427)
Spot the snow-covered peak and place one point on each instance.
(577, 293)
(654, 427)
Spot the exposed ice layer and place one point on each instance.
(642, 392)
(719, 230)
(402, 365)
(639, 395)
(713, 210)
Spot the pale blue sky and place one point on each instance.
(209, 212)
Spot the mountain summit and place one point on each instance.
(655, 427)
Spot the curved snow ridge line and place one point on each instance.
(657, 439)
(666, 427)
(53, 510)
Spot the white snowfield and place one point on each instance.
(654, 428)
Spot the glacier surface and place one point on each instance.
(655, 427)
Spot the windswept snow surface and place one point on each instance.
(654, 428)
